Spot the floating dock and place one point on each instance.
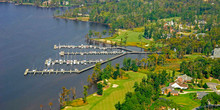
(62, 53)
(88, 47)
(71, 62)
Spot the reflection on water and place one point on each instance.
(27, 37)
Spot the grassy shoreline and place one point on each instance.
(111, 95)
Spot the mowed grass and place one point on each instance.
(211, 80)
(132, 36)
(184, 100)
(111, 95)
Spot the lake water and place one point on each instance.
(27, 36)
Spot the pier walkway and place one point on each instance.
(89, 47)
(70, 62)
(62, 53)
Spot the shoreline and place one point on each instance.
(75, 19)
(32, 4)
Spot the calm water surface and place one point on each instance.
(27, 36)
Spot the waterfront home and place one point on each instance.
(179, 85)
(166, 90)
(216, 53)
(184, 78)
(174, 93)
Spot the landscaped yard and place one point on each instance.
(184, 100)
(112, 95)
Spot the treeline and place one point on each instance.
(135, 13)
(201, 68)
(146, 94)
(211, 98)
(194, 43)
(108, 72)
(57, 3)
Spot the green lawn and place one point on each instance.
(212, 80)
(193, 56)
(132, 36)
(184, 100)
(197, 90)
(112, 95)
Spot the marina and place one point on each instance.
(62, 53)
(89, 47)
(50, 62)
(70, 62)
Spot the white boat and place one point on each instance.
(53, 63)
(49, 61)
(51, 70)
(74, 62)
(76, 70)
(101, 60)
(67, 62)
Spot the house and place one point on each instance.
(200, 95)
(212, 85)
(179, 85)
(174, 93)
(216, 53)
(166, 90)
(184, 78)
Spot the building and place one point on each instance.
(166, 90)
(174, 93)
(184, 78)
(216, 53)
(212, 85)
(200, 95)
(179, 85)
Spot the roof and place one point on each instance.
(180, 84)
(216, 53)
(211, 84)
(185, 77)
(174, 92)
(164, 88)
(200, 95)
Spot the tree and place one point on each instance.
(104, 32)
(168, 95)
(126, 37)
(118, 106)
(50, 104)
(205, 86)
(100, 89)
(117, 72)
(90, 33)
(146, 34)
(140, 38)
(73, 93)
(85, 93)
(134, 66)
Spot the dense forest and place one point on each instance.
(135, 13)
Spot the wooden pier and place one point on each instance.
(71, 62)
(49, 71)
(89, 47)
(62, 53)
